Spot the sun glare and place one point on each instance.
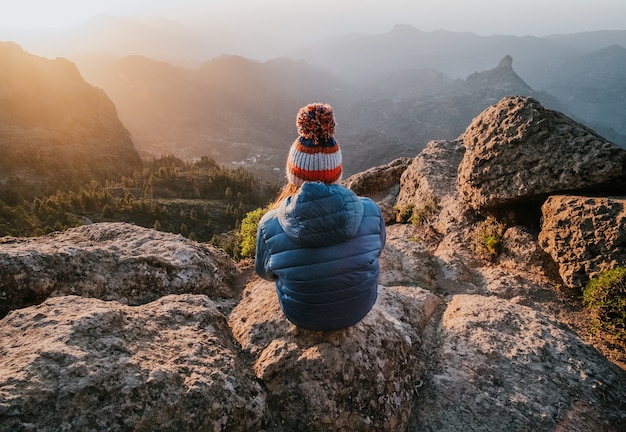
(38, 13)
(64, 13)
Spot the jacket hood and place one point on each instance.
(320, 214)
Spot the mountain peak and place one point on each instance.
(404, 28)
(49, 110)
(506, 62)
(502, 76)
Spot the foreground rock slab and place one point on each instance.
(360, 379)
(502, 366)
(83, 364)
(110, 261)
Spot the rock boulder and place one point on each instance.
(432, 174)
(584, 235)
(517, 150)
(110, 261)
(360, 379)
(502, 366)
(83, 364)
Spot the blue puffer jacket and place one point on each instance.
(321, 246)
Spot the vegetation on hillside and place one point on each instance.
(199, 200)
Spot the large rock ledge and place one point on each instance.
(502, 366)
(110, 261)
(83, 364)
(519, 150)
(74, 363)
(361, 378)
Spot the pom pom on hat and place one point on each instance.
(315, 154)
(316, 121)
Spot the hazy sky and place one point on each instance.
(331, 17)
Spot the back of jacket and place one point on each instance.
(321, 246)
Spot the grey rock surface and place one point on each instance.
(110, 261)
(517, 150)
(584, 235)
(405, 260)
(83, 364)
(432, 174)
(502, 366)
(358, 379)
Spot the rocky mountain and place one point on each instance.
(590, 41)
(117, 327)
(230, 108)
(584, 71)
(456, 54)
(404, 125)
(356, 59)
(54, 124)
(243, 111)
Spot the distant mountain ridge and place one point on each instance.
(238, 110)
(229, 108)
(557, 64)
(585, 71)
(592, 86)
(392, 92)
(501, 78)
(456, 54)
(408, 124)
(52, 123)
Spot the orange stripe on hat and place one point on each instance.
(326, 176)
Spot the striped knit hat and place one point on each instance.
(315, 154)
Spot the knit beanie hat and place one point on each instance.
(315, 154)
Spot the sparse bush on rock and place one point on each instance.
(247, 233)
(605, 295)
(487, 238)
(423, 214)
(405, 213)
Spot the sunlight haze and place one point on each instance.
(196, 30)
(485, 17)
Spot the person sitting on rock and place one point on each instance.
(319, 241)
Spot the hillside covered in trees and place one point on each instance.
(199, 200)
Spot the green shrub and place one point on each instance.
(487, 238)
(247, 232)
(423, 214)
(605, 296)
(404, 214)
